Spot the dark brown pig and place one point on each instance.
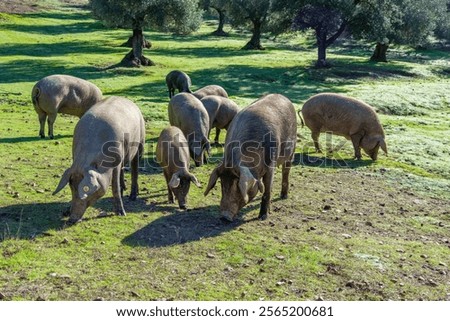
(260, 137)
(109, 135)
(172, 153)
(178, 80)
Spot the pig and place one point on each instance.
(109, 135)
(211, 90)
(179, 80)
(221, 112)
(188, 113)
(261, 136)
(62, 94)
(345, 116)
(172, 153)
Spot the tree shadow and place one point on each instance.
(14, 140)
(183, 227)
(33, 70)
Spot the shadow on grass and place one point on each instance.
(184, 227)
(68, 22)
(13, 140)
(323, 161)
(26, 221)
(33, 70)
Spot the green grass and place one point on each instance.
(395, 209)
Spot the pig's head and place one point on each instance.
(87, 187)
(239, 187)
(199, 149)
(371, 145)
(180, 184)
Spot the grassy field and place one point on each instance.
(350, 230)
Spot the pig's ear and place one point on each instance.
(64, 180)
(175, 180)
(246, 181)
(383, 146)
(213, 178)
(90, 184)
(194, 180)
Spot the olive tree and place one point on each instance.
(407, 22)
(221, 7)
(328, 18)
(182, 16)
(255, 12)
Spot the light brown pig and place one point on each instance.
(345, 116)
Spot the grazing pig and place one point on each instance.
(346, 117)
(62, 94)
(188, 113)
(211, 90)
(172, 153)
(221, 112)
(178, 80)
(110, 134)
(260, 137)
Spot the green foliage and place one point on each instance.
(183, 16)
(400, 21)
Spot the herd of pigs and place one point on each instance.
(260, 137)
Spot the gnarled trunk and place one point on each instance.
(379, 54)
(219, 31)
(255, 41)
(129, 43)
(135, 58)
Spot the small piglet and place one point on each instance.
(172, 153)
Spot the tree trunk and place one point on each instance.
(379, 54)
(135, 58)
(129, 43)
(255, 41)
(219, 31)
(321, 37)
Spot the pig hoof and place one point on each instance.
(122, 213)
(183, 207)
(42, 135)
(283, 196)
(132, 197)
(262, 217)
